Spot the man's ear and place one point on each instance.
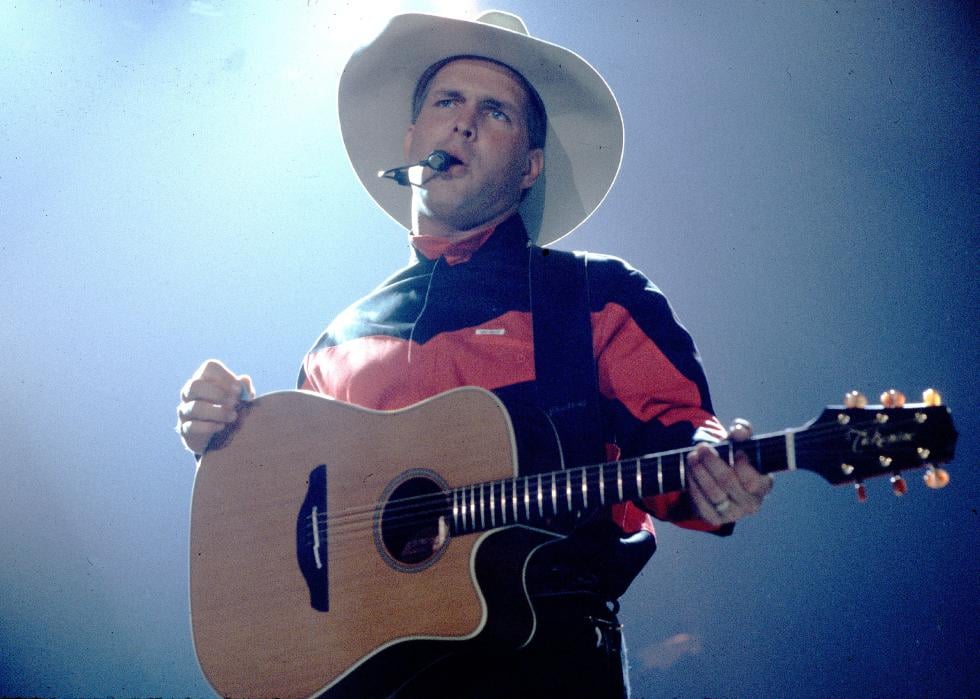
(407, 141)
(534, 168)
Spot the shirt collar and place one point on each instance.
(506, 239)
(432, 246)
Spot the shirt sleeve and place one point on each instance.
(654, 391)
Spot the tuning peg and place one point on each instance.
(861, 491)
(855, 399)
(893, 399)
(936, 478)
(931, 397)
(899, 486)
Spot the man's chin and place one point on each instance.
(440, 203)
(456, 219)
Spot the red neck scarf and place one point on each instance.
(433, 246)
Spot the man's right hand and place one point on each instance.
(209, 403)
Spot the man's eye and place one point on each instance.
(448, 101)
(498, 115)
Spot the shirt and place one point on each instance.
(459, 314)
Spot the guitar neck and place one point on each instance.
(537, 498)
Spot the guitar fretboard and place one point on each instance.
(537, 498)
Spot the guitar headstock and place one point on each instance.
(856, 441)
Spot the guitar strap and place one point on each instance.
(568, 392)
(565, 369)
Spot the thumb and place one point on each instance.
(247, 382)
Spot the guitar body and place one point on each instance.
(381, 616)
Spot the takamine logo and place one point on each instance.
(863, 440)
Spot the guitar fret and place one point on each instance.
(456, 510)
(483, 518)
(660, 475)
(473, 507)
(585, 489)
(527, 502)
(602, 485)
(493, 515)
(790, 451)
(540, 498)
(514, 498)
(639, 477)
(554, 494)
(568, 489)
(503, 502)
(680, 464)
(619, 479)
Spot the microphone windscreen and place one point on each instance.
(440, 160)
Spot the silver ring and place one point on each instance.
(722, 507)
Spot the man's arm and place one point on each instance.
(209, 403)
(649, 366)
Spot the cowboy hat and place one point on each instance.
(584, 142)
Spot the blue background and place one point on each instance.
(799, 178)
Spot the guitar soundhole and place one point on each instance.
(410, 531)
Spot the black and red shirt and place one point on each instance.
(459, 315)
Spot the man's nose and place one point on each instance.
(465, 125)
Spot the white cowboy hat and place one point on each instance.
(584, 145)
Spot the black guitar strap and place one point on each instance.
(567, 381)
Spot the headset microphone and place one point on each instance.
(438, 160)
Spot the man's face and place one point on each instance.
(474, 110)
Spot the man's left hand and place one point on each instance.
(723, 492)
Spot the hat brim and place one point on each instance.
(584, 146)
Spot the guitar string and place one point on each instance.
(422, 508)
(428, 514)
(519, 482)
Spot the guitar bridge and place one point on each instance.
(311, 539)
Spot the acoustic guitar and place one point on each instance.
(306, 576)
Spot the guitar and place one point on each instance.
(302, 577)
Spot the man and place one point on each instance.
(533, 138)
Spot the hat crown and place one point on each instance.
(504, 20)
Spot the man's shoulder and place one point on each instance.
(602, 261)
(611, 273)
(610, 279)
(606, 262)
